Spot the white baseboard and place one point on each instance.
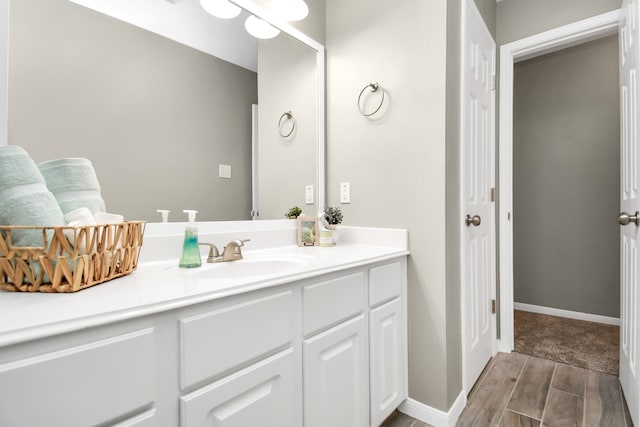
(433, 416)
(567, 313)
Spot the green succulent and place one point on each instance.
(294, 212)
(332, 215)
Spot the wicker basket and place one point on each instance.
(70, 258)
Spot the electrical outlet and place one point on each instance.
(345, 192)
(224, 171)
(308, 194)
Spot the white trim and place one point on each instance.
(255, 200)
(4, 72)
(433, 416)
(529, 47)
(597, 318)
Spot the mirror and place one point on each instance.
(158, 118)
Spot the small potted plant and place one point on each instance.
(332, 217)
(293, 213)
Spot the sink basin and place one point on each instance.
(252, 266)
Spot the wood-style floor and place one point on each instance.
(399, 419)
(516, 390)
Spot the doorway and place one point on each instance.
(624, 20)
(566, 165)
(534, 46)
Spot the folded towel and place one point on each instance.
(74, 184)
(24, 197)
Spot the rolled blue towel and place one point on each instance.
(24, 197)
(25, 200)
(74, 184)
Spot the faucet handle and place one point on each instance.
(213, 251)
(239, 244)
(232, 251)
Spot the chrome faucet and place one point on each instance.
(232, 251)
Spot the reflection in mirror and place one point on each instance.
(286, 82)
(156, 117)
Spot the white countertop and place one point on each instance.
(160, 285)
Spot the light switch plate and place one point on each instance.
(224, 171)
(308, 194)
(345, 192)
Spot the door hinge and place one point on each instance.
(493, 194)
(493, 306)
(493, 82)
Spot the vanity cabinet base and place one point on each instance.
(327, 351)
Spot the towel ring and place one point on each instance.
(374, 88)
(286, 116)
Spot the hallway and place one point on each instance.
(589, 345)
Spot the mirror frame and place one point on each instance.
(250, 7)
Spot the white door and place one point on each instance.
(629, 204)
(477, 179)
(336, 377)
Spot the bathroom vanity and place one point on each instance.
(287, 336)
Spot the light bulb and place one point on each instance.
(290, 10)
(220, 8)
(260, 29)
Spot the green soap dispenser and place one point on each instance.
(190, 250)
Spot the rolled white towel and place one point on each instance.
(78, 218)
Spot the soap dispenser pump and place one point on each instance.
(190, 250)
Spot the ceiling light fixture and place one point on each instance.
(220, 8)
(290, 10)
(260, 29)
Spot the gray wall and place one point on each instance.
(487, 9)
(516, 19)
(452, 203)
(397, 164)
(286, 82)
(155, 117)
(566, 179)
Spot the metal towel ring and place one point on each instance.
(374, 87)
(288, 116)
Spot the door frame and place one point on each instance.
(530, 47)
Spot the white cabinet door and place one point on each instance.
(260, 395)
(388, 369)
(336, 376)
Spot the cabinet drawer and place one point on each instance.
(148, 419)
(86, 385)
(218, 341)
(385, 283)
(260, 395)
(328, 303)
